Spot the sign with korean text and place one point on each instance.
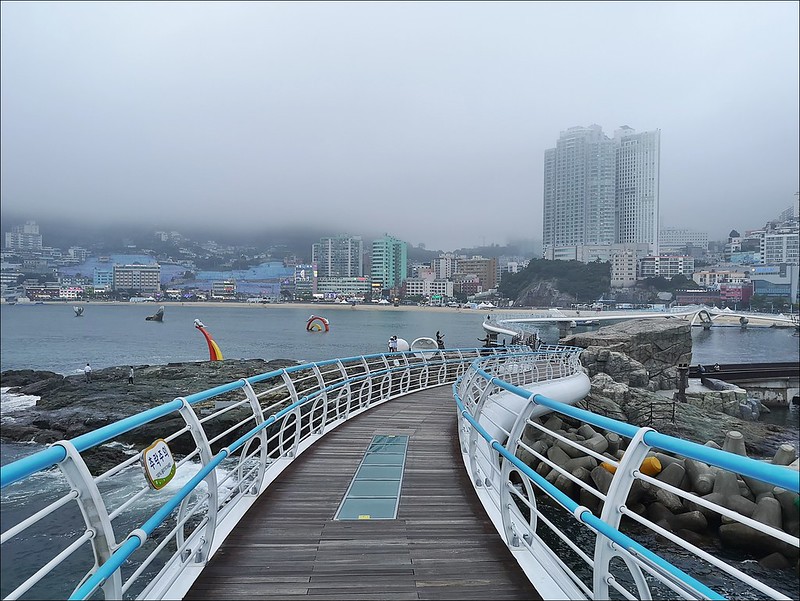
(158, 464)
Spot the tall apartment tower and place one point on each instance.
(579, 189)
(389, 262)
(339, 257)
(637, 175)
(599, 191)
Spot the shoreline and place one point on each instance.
(310, 306)
(728, 321)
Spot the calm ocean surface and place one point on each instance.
(50, 337)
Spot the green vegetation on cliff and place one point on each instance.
(586, 281)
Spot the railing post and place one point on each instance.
(506, 498)
(345, 389)
(475, 437)
(386, 380)
(616, 498)
(322, 393)
(95, 515)
(258, 415)
(366, 382)
(201, 440)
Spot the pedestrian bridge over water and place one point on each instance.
(365, 477)
(509, 324)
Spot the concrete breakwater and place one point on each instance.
(633, 371)
(691, 520)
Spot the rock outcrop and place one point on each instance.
(639, 353)
(69, 406)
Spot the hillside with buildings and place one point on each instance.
(601, 234)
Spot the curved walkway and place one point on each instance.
(441, 546)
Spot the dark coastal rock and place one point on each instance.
(14, 378)
(69, 406)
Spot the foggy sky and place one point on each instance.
(424, 120)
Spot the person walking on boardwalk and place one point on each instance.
(393, 344)
(87, 371)
(130, 376)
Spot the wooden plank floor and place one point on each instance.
(441, 546)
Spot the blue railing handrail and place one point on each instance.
(375, 366)
(482, 395)
(579, 512)
(47, 458)
(773, 474)
(130, 546)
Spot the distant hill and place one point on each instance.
(547, 283)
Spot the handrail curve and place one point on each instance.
(532, 501)
(230, 442)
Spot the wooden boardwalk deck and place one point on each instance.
(441, 546)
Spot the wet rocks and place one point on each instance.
(69, 406)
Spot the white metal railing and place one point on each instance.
(584, 498)
(109, 531)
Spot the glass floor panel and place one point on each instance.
(374, 493)
(380, 472)
(384, 459)
(389, 439)
(375, 488)
(368, 509)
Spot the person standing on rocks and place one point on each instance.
(130, 376)
(87, 371)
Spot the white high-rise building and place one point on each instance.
(579, 189)
(339, 257)
(637, 183)
(599, 191)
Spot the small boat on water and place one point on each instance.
(78, 311)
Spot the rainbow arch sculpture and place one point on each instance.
(316, 323)
(213, 350)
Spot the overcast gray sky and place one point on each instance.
(424, 120)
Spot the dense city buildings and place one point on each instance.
(758, 268)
